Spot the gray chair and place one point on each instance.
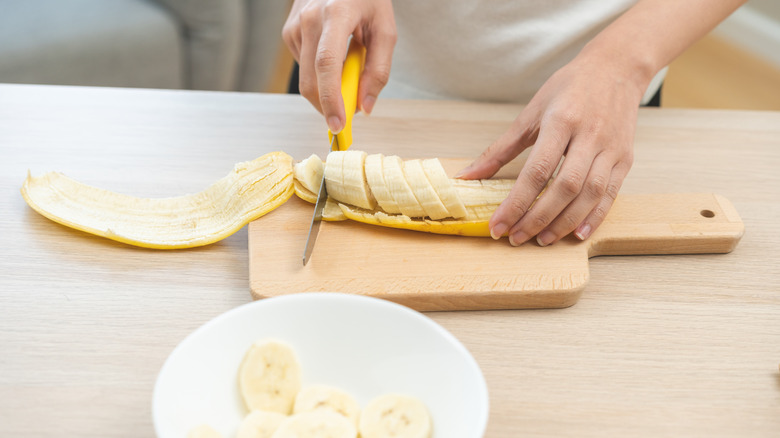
(226, 45)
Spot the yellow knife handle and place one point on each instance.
(350, 76)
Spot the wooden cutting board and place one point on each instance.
(435, 272)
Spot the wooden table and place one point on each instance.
(657, 346)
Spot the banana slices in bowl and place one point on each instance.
(320, 365)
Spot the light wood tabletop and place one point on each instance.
(684, 345)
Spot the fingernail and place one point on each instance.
(464, 171)
(545, 238)
(518, 238)
(334, 124)
(368, 104)
(583, 231)
(498, 230)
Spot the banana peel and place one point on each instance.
(250, 190)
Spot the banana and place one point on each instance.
(317, 424)
(260, 424)
(345, 178)
(395, 415)
(415, 195)
(475, 193)
(354, 180)
(424, 191)
(309, 173)
(376, 182)
(444, 187)
(203, 431)
(392, 169)
(251, 190)
(269, 377)
(322, 397)
(334, 168)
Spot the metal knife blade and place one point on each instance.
(353, 65)
(316, 219)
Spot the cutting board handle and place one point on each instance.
(685, 223)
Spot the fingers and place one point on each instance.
(588, 191)
(537, 171)
(291, 31)
(520, 136)
(310, 31)
(573, 202)
(379, 43)
(597, 215)
(317, 34)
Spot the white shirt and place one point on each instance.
(492, 50)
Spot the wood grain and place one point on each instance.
(657, 346)
(433, 272)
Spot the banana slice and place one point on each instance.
(309, 173)
(444, 188)
(483, 192)
(393, 171)
(354, 181)
(260, 424)
(322, 397)
(269, 377)
(334, 168)
(395, 415)
(318, 424)
(424, 191)
(203, 431)
(376, 182)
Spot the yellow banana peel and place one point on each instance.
(249, 191)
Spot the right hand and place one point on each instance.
(317, 33)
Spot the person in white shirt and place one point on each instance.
(583, 67)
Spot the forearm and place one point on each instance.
(653, 33)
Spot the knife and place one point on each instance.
(350, 75)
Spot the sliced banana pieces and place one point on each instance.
(269, 377)
(260, 424)
(327, 398)
(203, 431)
(395, 415)
(251, 190)
(316, 424)
(345, 178)
(415, 194)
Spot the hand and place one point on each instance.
(586, 112)
(317, 33)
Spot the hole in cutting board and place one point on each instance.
(707, 213)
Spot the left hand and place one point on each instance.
(585, 113)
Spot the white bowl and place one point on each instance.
(363, 345)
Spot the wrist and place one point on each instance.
(627, 65)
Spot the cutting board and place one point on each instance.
(430, 272)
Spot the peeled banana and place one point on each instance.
(251, 190)
(269, 377)
(415, 195)
(395, 415)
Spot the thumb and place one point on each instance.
(502, 151)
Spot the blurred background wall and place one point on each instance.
(235, 45)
